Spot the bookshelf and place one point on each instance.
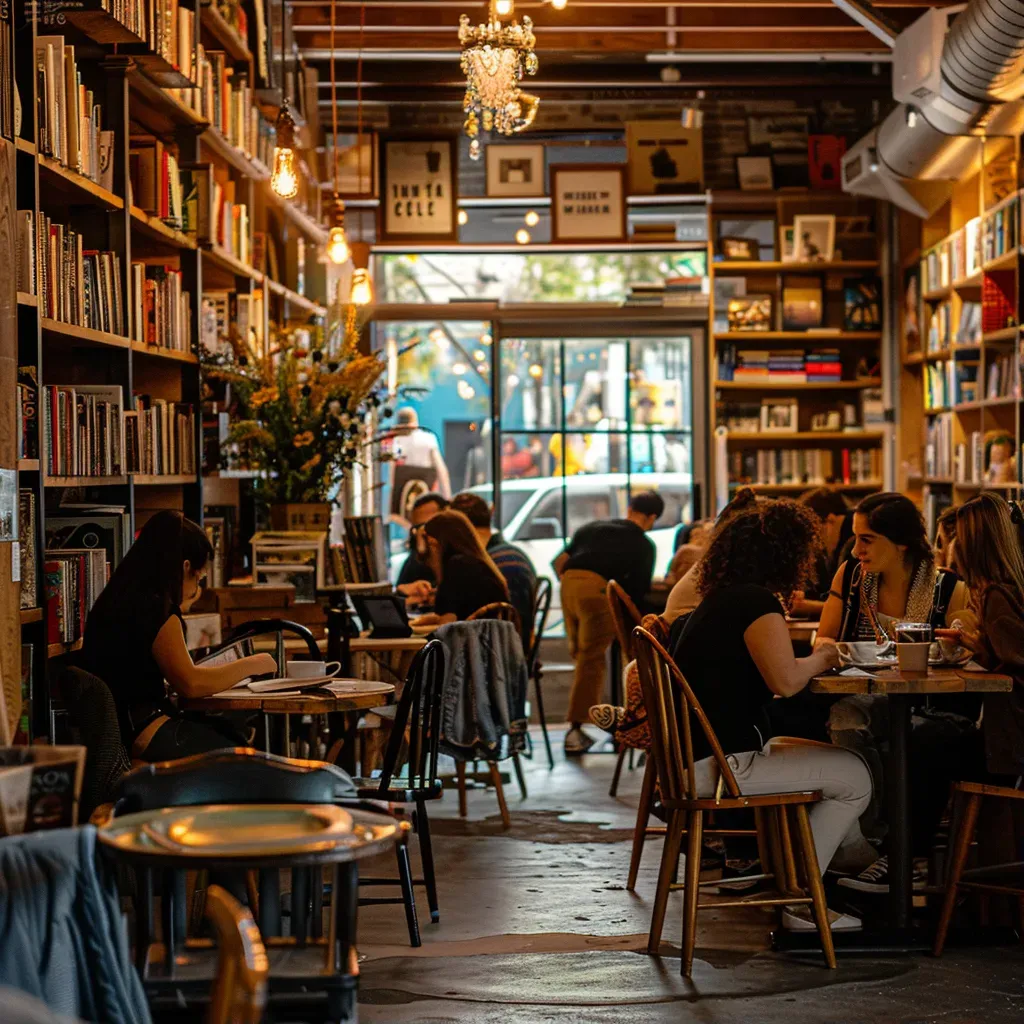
(153, 261)
(797, 377)
(960, 336)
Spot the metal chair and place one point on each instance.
(541, 607)
(783, 822)
(413, 745)
(626, 617)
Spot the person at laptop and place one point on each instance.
(416, 579)
(467, 578)
(512, 562)
(135, 640)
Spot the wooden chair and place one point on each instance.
(783, 822)
(240, 988)
(970, 796)
(541, 607)
(626, 617)
(504, 612)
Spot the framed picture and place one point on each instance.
(779, 416)
(664, 157)
(515, 170)
(787, 249)
(814, 237)
(418, 187)
(824, 160)
(743, 249)
(778, 133)
(588, 203)
(750, 313)
(862, 304)
(802, 303)
(754, 173)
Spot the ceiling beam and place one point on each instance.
(870, 18)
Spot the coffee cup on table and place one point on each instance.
(312, 669)
(913, 644)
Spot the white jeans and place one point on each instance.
(842, 777)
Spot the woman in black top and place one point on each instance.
(736, 654)
(467, 578)
(135, 640)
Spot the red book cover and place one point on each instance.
(824, 160)
(150, 311)
(54, 607)
(846, 465)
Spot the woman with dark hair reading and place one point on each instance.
(737, 656)
(135, 640)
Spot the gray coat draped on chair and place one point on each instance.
(483, 711)
(64, 937)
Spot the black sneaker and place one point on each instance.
(875, 879)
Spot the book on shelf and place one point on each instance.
(810, 466)
(939, 328)
(972, 247)
(937, 449)
(872, 408)
(74, 579)
(160, 437)
(968, 331)
(198, 202)
(977, 457)
(7, 86)
(23, 733)
(25, 252)
(1002, 380)
(28, 412)
(964, 381)
(155, 180)
(27, 533)
(106, 528)
(68, 117)
(937, 387)
(1000, 233)
(161, 307)
(84, 429)
(365, 551)
(934, 504)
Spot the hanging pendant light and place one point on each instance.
(337, 248)
(362, 284)
(284, 179)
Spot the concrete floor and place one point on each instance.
(536, 927)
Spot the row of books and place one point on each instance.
(940, 326)
(160, 437)
(673, 292)
(1003, 378)
(211, 213)
(73, 580)
(794, 366)
(68, 117)
(811, 466)
(969, 460)
(7, 89)
(949, 382)
(75, 285)
(28, 412)
(1001, 231)
(981, 239)
(155, 180)
(226, 315)
(167, 27)
(161, 307)
(937, 446)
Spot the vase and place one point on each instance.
(309, 516)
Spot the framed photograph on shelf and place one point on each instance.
(814, 237)
(802, 303)
(418, 187)
(739, 249)
(779, 416)
(588, 203)
(664, 157)
(750, 313)
(515, 170)
(754, 173)
(862, 304)
(787, 249)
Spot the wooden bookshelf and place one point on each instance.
(30, 615)
(24, 299)
(776, 266)
(73, 334)
(163, 480)
(867, 485)
(28, 465)
(159, 352)
(220, 257)
(59, 650)
(156, 230)
(232, 155)
(226, 36)
(767, 385)
(804, 337)
(77, 187)
(831, 436)
(84, 481)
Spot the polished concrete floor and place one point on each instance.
(536, 927)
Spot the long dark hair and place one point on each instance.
(988, 543)
(895, 517)
(454, 532)
(153, 565)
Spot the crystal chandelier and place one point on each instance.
(495, 59)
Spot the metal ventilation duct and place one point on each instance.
(928, 141)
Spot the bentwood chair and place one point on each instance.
(504, 612)
(240, 989)
(626, 617)
(968, 798)
(409, 776)
(541, 607)
(783, 823)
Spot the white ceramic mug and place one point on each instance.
(860, 652)
(312, 669)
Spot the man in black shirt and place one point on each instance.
(414, 572)
(619, 550)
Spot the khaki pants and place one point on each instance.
(590, 630)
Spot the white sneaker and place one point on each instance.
(800, 919)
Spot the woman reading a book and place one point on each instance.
(135, 640)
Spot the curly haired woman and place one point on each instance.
(736, 654)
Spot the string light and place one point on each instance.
(463, 218)
(283, 179)
(536, 371)
(503, 8)
(362, 284)
(337, 248)
(532, 218)
(523, 236)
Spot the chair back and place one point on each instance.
(92, 709)
(417, 725)
(657, 627)
(235, 775)
(626, 617)
(501, 610)
(261, 627)
(541, 607)
(240, 986)
(671, 706)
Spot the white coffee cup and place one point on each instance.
(860, 652)
(312, 669)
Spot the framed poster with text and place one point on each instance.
(588, 203)
(418, 188)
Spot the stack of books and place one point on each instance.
(84, 430)
(155, 180)
(167, 27)
(686, 292)
(161, 307)
(643, 293)
(69, 119)
(937, 384)
(786, 367)
(824, 366)
(160, 437)
(742, 364)
(654, 231)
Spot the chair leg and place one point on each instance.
(506, 820)
(427, 856)
(968, 824)
(643, 816)
(691, 894)
(614, 789)
(460, 777)
(539, 692)
(518, 766)
(789, 864)
(408, 898)
(813, 871)
(666, 875)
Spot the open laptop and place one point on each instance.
(384, 616)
